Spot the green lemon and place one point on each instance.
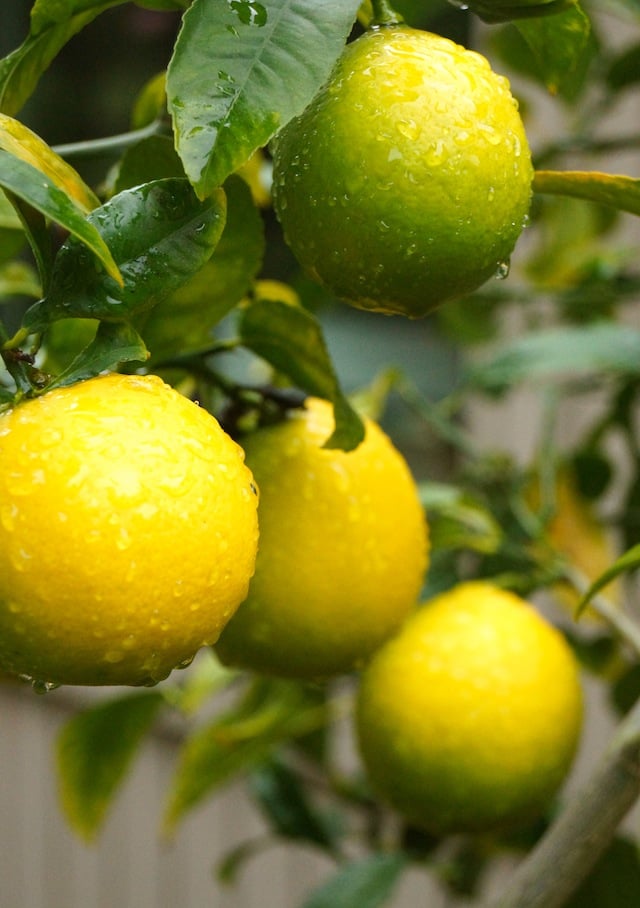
(407, 180)
(468, 719)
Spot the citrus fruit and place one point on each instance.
(407, 180)
(469, 718)
(342, 551)
(128, 532)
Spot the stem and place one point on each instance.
(109, 144)
(566, 854)
(626, 629)
(384, 14)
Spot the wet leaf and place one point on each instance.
(290, 339)
(559, 44)
(114, 343)
(241, 70)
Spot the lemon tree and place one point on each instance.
(469, 718)
(342, 555)
(407, 180)
(129, 532)
(157, 315)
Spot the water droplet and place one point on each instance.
(502, 270)
(249, 12)
(43, 687)
(184, 663)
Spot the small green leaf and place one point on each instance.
(601, 347)
(458, 520)
(154, 158)
(630, 561)
(184, 321)
(368, 883)
(286, 804)
(624, 71)
(290, 339)
(240, 70)
(94, 751)
(160, 235)
(52, 25)
(619, 192)
(113, 344)
(231, 744)
(40, 192)
(559, 43)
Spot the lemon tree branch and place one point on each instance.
(565, 855)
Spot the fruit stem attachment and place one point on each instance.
(569, 850)
(384, 14)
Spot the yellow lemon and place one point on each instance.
(128, 532)
(407, 180)
(468, 720)
(342, 554)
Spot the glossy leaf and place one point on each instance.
(290, 339)
(94, 751)
(240, 70)
(184, 321)
(630, 561)
(114, 343)
(368, 883)
(160, 235)
(40, 192)
(231, 744)
(601, 347)
(558, 43)
(52, 25)
(21, 142)
(617, 191)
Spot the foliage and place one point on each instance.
(156, 265)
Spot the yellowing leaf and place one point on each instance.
(19, 141)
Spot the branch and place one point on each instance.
(568, 851)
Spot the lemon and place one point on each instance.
(407, 180)
(468, 720)
(128, 532)
(342, 554)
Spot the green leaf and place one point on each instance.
(615, 880)
(184, 321)
(94, 751)
(624, 71)
(458, 520)
(160, 235)
(368, 883)
(52, 25)
(231, 744)
(40, 192)
(573, 352)
(616, 191)
(559, 43)
(290, 339)
(285, 802)
(114, 343)
(630, 561)
(154, 158)
(240, 70)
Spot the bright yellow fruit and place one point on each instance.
(128, 532)
(469, 719)
(342, 555)
(407, 180)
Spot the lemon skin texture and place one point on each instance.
(342, 554)
(468, 720)
(407, 180)
(128, 532)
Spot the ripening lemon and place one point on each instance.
(468, 720)
(407, 180)
(342, 554)
(128, 532)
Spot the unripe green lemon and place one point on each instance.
(342, 554)
(468, 720)
(128, 532)
(407, 180)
